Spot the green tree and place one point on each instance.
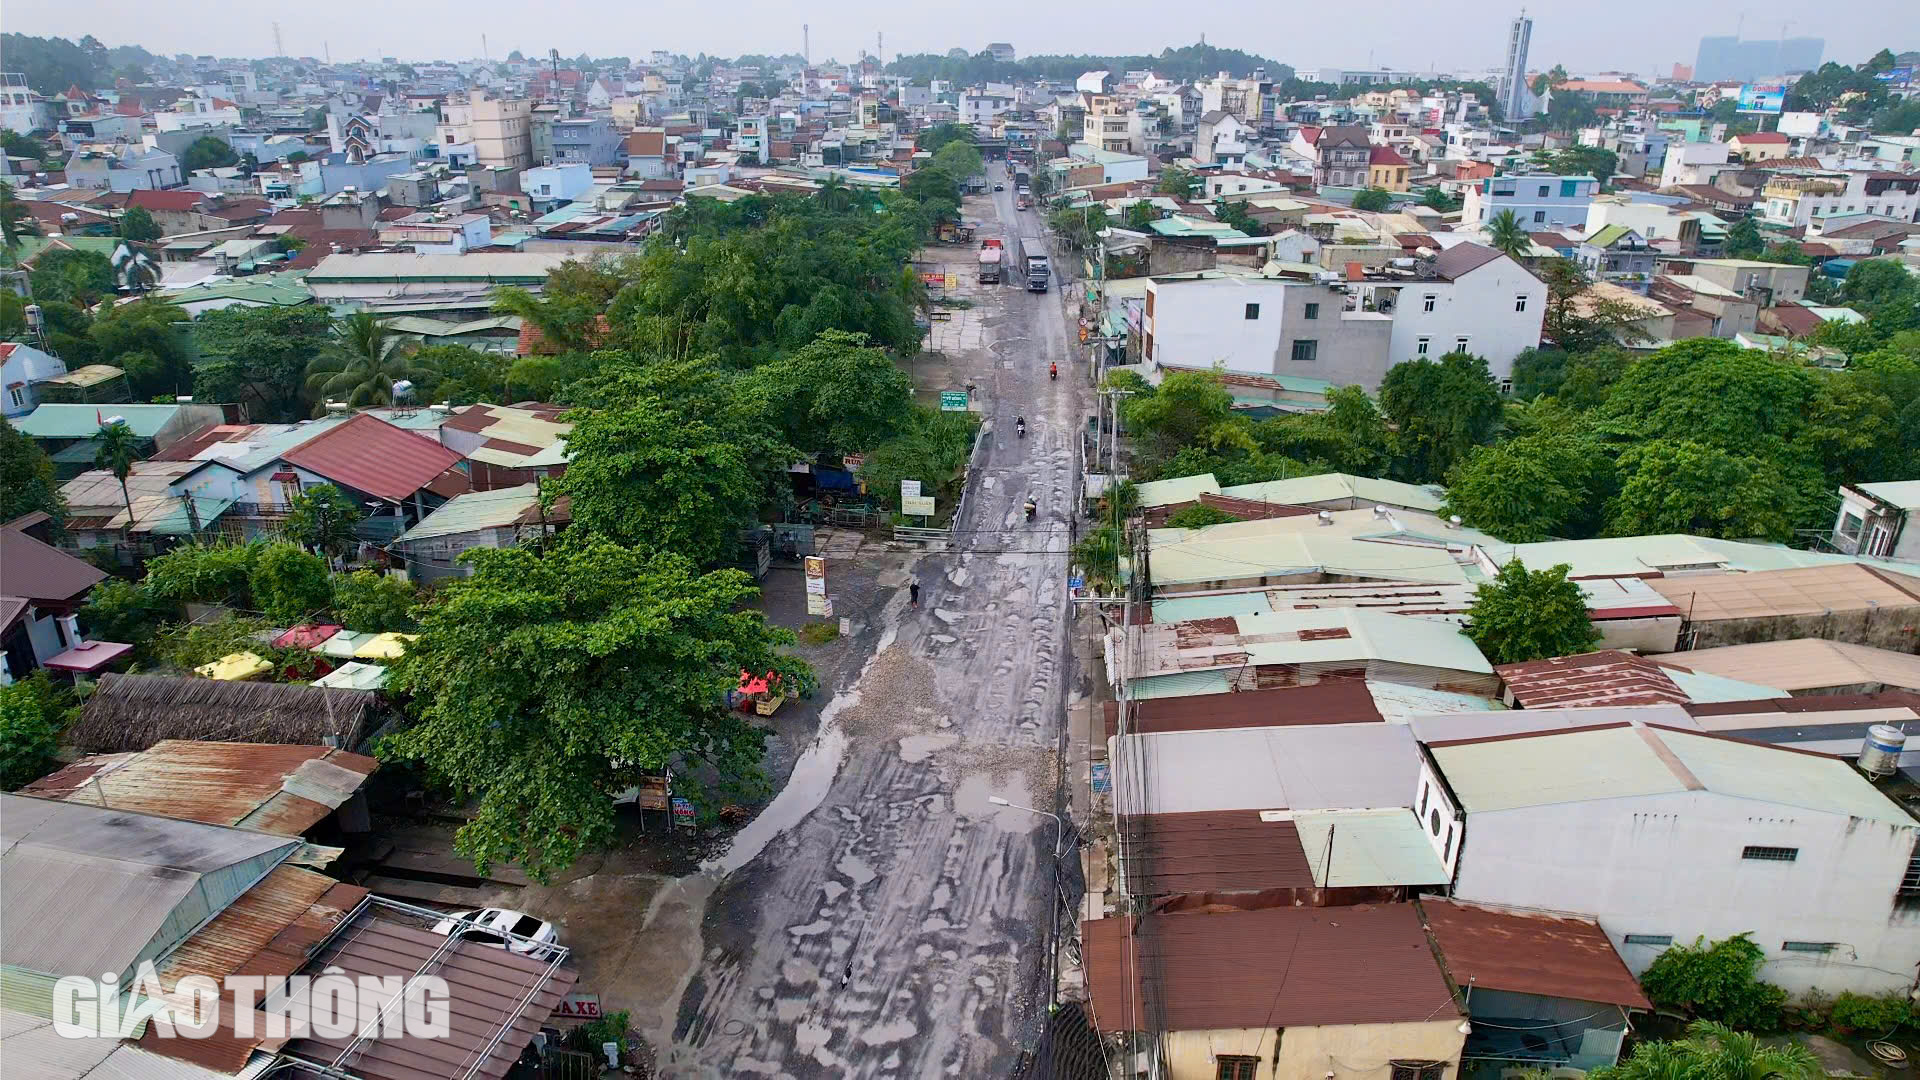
(1350, 436)
(1373, 198)
(363, 365)
(32, 715)
(1548, 79)
(1436, 198)
(1711, 391)
(137, 226)
(204, 574)
(1506, 235)
(150, 339)
(1715, 1052)
(465, 376)
(259, 356)
(1141, 214)
(1576, 321)
(1529, 489)
(1199, 516)
(207, 152)
(116, 448)
(837, 393)
(1743, 240)
(1177, 182)
(1683, 486)
(646, 476)
(26, 478)
(322, 519)
(15, 144)
(1098, 556)
(1190, 408)
(1440, 409)
(78, 277)
(290, 584)
(1874, 283)
(542, 684)
(931, 447)
(1594, 161)
(958, 158)
(15, 220)
(936, 138)
(372, 603)
(1524, 615)
(1718, 982)
(122, 611)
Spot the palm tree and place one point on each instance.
(1714, 1051)
(834, 193)
(364, 364)
(133, 268)
(117, 448)
(1507, 236)
(15, 221)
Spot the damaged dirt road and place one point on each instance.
(883, 918)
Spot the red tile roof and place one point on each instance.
(1757, 138)
(1794, 320)
(1530, 952)
(646, 143)
(368, 454)
(1385, 155)
(1273, 968)
(1608, 677)
(1335, 701)
(178, 200)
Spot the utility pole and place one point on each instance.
(1113, 448)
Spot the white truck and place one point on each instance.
(1033, 263)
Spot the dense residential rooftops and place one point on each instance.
(1300, 637)
(371, 455)
(1610, 677)
(1813, 590)
(1273, 968)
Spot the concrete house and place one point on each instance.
(41, 590)
(1618, 254)
(1220, 138)
(1342, 157)
(1539, 201)
(1684, 834)
(1291, 326)
(21, 366)
(1468, 298)
(1873, 520)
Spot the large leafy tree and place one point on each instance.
(26, 478)
(1717, 982)
(322, 518)
(137, 226)
(363, 365)
(1178, 182)
(32, 714)
(958, 159)
(148, 338)
(1526, 615)
(1743, 240)
(289, 584)
(1373, 199)
(1350, 436)
(207, 152)
(259, 356)
(1530, 488)
(1440, 410)
(1684, 486)
(543, 683)
(837, 393)
(77, 277)
(1710, 391)
(1188, 408)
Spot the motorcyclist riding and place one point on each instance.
(1053, 370)
(1030, 509)
(1020, 425)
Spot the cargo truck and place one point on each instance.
(1033, 263)
(992, 253)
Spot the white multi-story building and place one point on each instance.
(978, 108)
(1515, 96)
(1798, 198)
(1220, 138)
(1668, 835)
(1255, 325)
(1696, 163)
(21, 109)
(1540, 202)
(1468, 299)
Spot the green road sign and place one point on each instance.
(953, 401)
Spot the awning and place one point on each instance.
(305, 636)
(88, 656)
(354, 675)
(389, 646)
(342, 645)
(235, 668)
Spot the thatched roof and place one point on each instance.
(133, 712)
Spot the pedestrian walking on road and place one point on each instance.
(913, 591)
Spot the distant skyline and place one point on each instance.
(1646, 36)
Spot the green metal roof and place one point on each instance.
(1364, 848)
(1331, 487)
(1606, 237)
(1179, 489)
(1904, 494)
(76, 421)
(474, 511)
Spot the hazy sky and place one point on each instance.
(1640, 35)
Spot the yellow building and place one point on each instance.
(1387, 169)
(1761, 146)
(1279, 993)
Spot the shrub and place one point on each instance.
(33, 712)
(1198, 516)
(289, 584)
(204, 573)
(372, 603)
(1876, 1016)
(1716, 982)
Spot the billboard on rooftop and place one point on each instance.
(1762, 98)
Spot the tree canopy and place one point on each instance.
(1526, 615)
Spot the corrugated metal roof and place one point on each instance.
(76, 421)
(1333, 487)
(260, 786)
(100, 885)
(1266, 969)
(1300, 637)
(1621, 555)
(1336, 701)
(1307, 767)
(1492, 724)
(496, 993)
(1212, 852)
(1770, 774)
(1399, 702)
(1184, 684)
(1800, 664)
(32, 1048)
(1363, 848)
(1813, 590)
(1179, 489)
(1904, 494)
(1608, 677)
(1530, 952)
(1202, 555)
(1704, 686)
(371, 455)
(474, 511)
(100, 488)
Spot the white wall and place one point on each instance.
(24, 366)
(1671, 865)
(1694, 163)
(1479, 307)
(1198, 324)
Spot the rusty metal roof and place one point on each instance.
(1272, 968)
(1530, 952)
(499, 999)
(266, 787)
(1608, 677)
(1336, 701)
(1212, 852)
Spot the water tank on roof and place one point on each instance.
(1880, 754)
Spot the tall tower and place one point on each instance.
(278, 49)
(1513, 87)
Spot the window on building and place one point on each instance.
(1304, 352)
(1253, 311)
(1421, 348)
(1236, 1067)
(1908, 895)
(18, 394)
(1850, 524)
(1544, 188)
(1520, 302)
(1808, 946)
(1539, 217)
(1419, 1070)
(1649, 939)
(1460, 343)
(1770, 854)
(1313, 311)
(1428, 302)
(1506, 386)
